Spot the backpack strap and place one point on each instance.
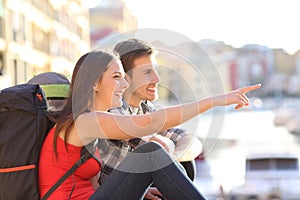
(85, 155)
(66, 175)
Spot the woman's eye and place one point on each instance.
(116, 77)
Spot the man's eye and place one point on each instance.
(148, 71)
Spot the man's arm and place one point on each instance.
(174, 134)
(133, 143)
(186, 145)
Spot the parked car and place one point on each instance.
(269, 176)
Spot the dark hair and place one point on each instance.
(88, 70)
(131, 49)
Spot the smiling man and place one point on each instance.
(143, 80)
(139, 61)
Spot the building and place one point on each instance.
(110, 17)
(284, 62)
(41, 35)
(253, 64)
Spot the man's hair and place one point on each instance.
(131, 49)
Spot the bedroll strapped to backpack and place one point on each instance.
(23, 127)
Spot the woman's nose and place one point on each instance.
(124, 83)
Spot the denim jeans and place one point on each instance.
(148, 164)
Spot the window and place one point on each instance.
(1, 27)
(258, 164)
(1, 64)
(273, 164)
(15, 25)
(16, 70)
(287, 164)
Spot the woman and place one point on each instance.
(97, 85)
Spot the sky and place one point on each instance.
(272, 23)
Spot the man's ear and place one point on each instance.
(95, 87)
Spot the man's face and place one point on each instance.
(143, 79)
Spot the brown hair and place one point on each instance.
(131, 49)
(88, 70)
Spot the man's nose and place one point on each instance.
(155, 77)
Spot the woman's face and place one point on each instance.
(109, 90)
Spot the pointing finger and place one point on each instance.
(250, 88)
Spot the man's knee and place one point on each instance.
(190, 169)
(149, 147)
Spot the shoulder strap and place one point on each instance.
(85, 155)
(66, 175)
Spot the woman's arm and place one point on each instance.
(113, 126)
(94, 182)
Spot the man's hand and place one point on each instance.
(168, 144)
(153, 194)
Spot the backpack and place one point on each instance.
(24, 125)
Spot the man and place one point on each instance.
(139, 62)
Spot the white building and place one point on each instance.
(41, 35)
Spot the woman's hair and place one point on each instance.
(131, 49)
(87, 71)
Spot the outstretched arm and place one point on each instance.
(173, 116)
(114, 126)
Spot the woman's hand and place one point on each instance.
(94, 182)
(237, 96)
